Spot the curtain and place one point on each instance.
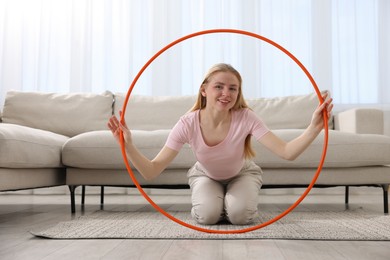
(97, 45)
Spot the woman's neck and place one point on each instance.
(214, 118)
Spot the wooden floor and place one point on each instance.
(20, 213)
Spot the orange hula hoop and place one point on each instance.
(255, 227)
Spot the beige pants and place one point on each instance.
(234, 199)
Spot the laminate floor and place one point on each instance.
(20, 213)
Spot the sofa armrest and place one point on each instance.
(360, 121)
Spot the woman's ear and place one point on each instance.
(203, 90)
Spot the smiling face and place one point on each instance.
(220, 73)
(221, 91)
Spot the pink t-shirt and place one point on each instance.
(224, 160)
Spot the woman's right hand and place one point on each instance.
(149, 169)
(116, 127)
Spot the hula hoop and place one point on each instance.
(288, 210)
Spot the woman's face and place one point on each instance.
(221, 91)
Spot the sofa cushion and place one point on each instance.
(290, 112)
(153, 113)
(99, 150)
(65, 114)
(24, 147)
(344, 150)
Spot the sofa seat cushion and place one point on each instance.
(99, 150)
(25, 147)
(344, 150)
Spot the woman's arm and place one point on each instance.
(149, 169)
(291, 150)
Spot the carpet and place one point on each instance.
(300, 225)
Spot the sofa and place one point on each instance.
(53, 139)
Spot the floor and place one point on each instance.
(20, 213)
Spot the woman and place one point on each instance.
(224, 182)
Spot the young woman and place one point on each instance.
(224, 181)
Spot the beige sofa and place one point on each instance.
(49, 139)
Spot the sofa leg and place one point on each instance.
(83, 195)
(346, 194)
(101, 195)
(72, 189)
(385, 188)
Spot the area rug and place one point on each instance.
(300, 225)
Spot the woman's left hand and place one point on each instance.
(317, 121)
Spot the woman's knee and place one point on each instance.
(241, 210)
(207, 214)
(207, 200)
(241, 216)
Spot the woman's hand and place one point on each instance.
(116, 127)
(317, 121)
(149, 169)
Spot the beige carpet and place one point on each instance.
(345, 225)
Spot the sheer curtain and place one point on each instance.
(97, 45)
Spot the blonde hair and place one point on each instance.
(200, 102)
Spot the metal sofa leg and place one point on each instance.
(72, 189)
(83, 195)
(346, 194)
(101, 195)
(385, 188)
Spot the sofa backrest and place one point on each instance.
(290, 112)
(152, 113)
(75, 113)
(66, 114)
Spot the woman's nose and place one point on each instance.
(225, 92)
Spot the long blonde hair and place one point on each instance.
(200, 102)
